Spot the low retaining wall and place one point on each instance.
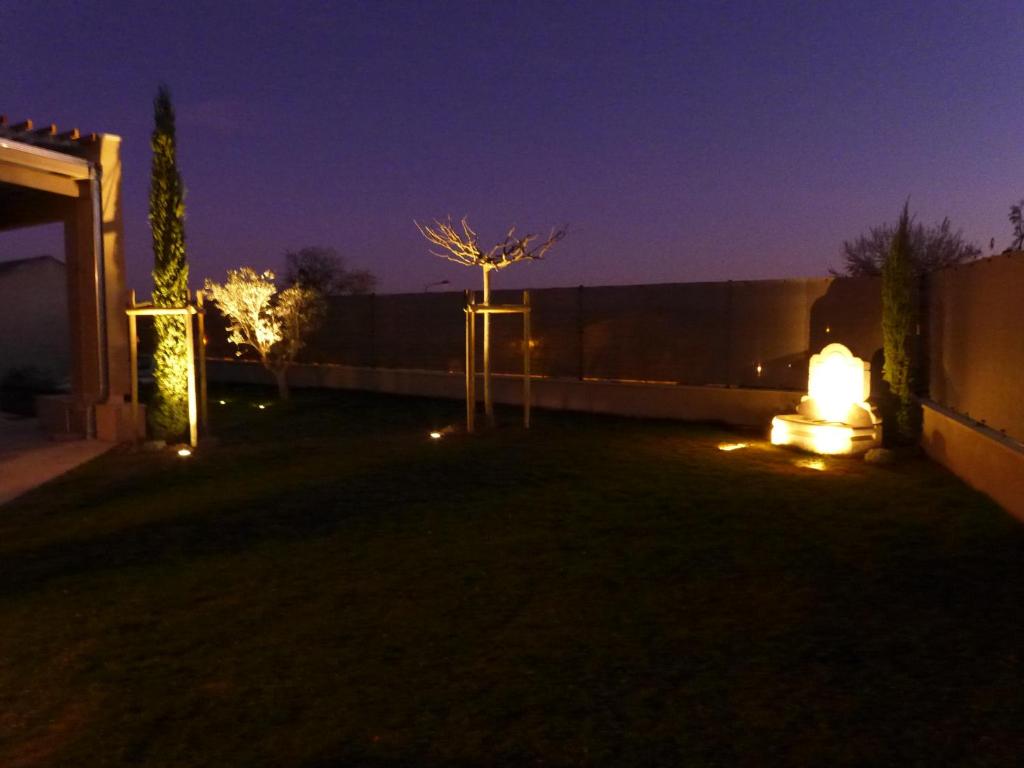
(730, 405)
(983, 458)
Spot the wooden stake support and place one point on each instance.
(187, 312)
(472, 309)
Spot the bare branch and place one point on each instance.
(463, 248)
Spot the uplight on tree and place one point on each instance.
(168, 410)
(274, 325)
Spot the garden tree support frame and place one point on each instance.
(187, 312)
(463, 248)
(486, 309)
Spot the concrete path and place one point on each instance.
(28, 458)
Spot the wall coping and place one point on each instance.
(982, 429)
(515, 376)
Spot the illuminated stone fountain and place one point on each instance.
(834, 416)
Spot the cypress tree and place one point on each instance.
(169, 408)
(899, 314)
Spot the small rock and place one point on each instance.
(880, 456)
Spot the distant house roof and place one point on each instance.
(13, 264)
(47, 136)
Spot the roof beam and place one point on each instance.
(23, 176)
(38, 158)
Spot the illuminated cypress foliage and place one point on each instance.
(899, 315)
(169, 408)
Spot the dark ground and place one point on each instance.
(327, 586)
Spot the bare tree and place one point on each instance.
(930, 248)
(1017, 219)
(463, 247)
(324, 270)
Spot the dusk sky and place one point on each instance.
(677, 141)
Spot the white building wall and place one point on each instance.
(34, 317)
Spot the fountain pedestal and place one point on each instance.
(834, 416)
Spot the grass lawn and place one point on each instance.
(327, 586)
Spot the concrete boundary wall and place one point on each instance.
(975, 325)
(730, 405)
(983, 458)
(757, 334)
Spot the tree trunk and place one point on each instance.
(281, 376)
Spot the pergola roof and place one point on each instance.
(36, 165)
(46, 136)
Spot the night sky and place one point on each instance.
(678, 142)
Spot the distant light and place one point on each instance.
(262, 407)
(759, 369)
(223, 402)
(816, 464)
(184, 452)
(731, 446)
(435, 435)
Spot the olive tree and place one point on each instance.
(273, 324)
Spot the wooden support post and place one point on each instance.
(186, 312)
(488, 395)
(470, 362)
(204, 419)
(133, 356)
(580, 335)
(193, 431)
(526, 359)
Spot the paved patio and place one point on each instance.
(29, 458)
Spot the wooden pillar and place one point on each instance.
(80, 260)
(107, 152)
(470, 362)
(526, 359)
(488, 395)
(193, 432)
(133, 358)
(204, 421)
(580, 335)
